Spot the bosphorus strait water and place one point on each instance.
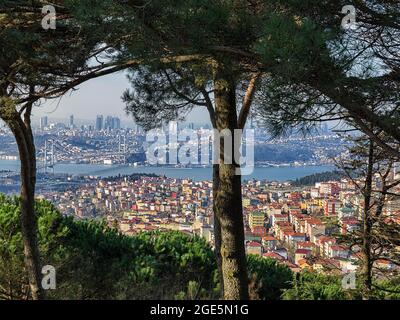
(283, 173)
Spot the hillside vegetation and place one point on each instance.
(94, 261)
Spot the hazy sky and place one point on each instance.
(98, 96)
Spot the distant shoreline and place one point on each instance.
(283, 173)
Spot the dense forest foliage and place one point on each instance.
(94, 261)
(283, 153)
(318, 177)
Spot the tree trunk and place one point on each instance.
(24, 138)
(367, 226)
(217, 227)
(228, 200)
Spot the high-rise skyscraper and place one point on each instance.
(71, 121)
(117, 123)
(99, 123)
(108, 124)
(43, 122)
(112, 123)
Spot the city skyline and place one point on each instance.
(96, 97)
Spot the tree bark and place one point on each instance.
(217, 227)
(23, 135)
(367, 226)
(228, 200)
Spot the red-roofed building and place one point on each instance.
(296, 237)
(259, 231)
(327, 264)
(349, 225)
(292, 266)
(269, 242)
(384, 264)
(308, 245)
(253, 247)
(274, 256)
(304, 264)
(301, 254)
(275, 218)
(331, 207)
(328, 188)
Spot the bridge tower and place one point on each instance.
(49, 156)
(122, 147)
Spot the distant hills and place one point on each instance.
(318, 177)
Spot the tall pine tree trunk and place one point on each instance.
(217, 227)
(228, 200)
(22, 132)
(367, 226)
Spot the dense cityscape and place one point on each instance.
(299, 226)
(106, 142)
